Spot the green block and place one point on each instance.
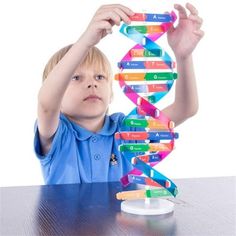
(134, 147)
(140, 28)
(135, 123)
(157, 193)
(161, 76)
(154, 53)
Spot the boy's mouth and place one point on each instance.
(92, 97)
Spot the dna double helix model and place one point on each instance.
(146, 75)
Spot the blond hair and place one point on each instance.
(95, 57)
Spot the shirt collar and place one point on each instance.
(109, 128)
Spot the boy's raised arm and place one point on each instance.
(51, 93)
(183, 39)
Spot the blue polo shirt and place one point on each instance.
(81, 156)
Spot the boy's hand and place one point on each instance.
(185, 36)
(102, 22)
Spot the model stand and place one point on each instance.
(150, 206)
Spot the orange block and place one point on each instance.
(137, 52)
(156, 124)
(154, 29)
(130, 76)
(155, 147)
(135, 194)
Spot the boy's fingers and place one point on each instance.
(125, 9)
(114, 17)
(114, 12)
(108, 31)
(122, 15)
(105, 25)
(196, 19)
(199, 33)
(193, 10)
(181, 10)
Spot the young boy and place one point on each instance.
(74, 137)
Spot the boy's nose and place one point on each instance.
(92, 85)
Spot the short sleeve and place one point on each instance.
(57, 140)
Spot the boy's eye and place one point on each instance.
(75, 77)
(100, 77)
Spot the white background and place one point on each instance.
(31, 31)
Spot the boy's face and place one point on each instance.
(88, 94)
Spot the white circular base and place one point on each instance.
(154, 207)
